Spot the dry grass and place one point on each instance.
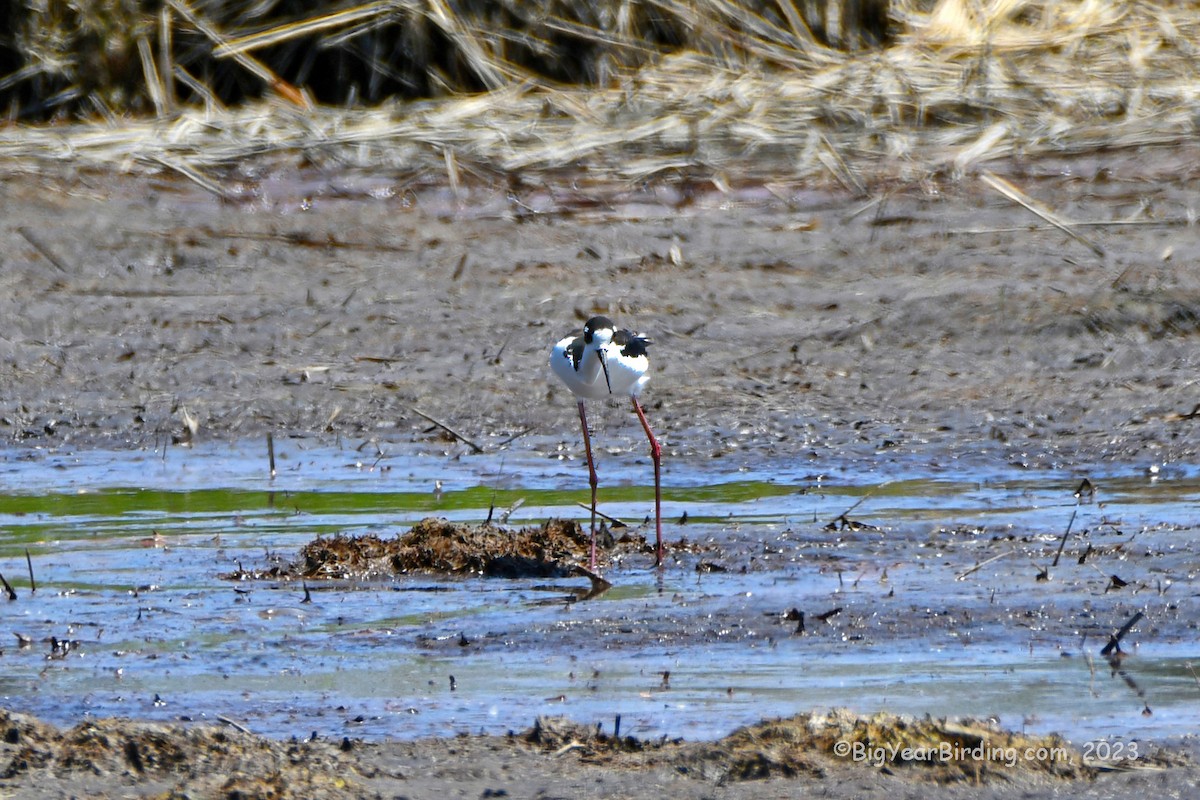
(111, 56)
(820, 744)
(209, 761)
(705, 90)
(941, 750)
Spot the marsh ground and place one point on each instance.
(942, 325)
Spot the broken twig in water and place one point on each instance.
(1115, 656)
(843, 521)
(960, 576)
(616, 523)
(508, 512)
(447, 429)
(1063, 542)
(1114, 641)
(1191, 669)
(29, 563)
(828, 615)
(12, 595)
(232, 723)
(271, 452)
(857, 503)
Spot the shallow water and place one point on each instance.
(128, 548)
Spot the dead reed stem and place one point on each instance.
(251, 65)
(707, 89)
(1020, 198)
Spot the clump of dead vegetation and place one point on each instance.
(817, 744)
(202, 761)
(555, 549)
(941, 750)
(560, 735)
(437, 545)
(692, 91)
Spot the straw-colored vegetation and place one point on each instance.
(710, 90)
(201, 760)
(940, 750)
(946, 751)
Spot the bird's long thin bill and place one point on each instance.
(604, 366)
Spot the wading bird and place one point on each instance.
(598, 362)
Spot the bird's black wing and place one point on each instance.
(631, 344)
(575, 351)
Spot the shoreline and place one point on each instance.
(108, 758)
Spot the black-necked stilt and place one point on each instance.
(598, 362)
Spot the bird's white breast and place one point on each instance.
(626, 374)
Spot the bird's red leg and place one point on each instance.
(587, 446)
(656, 454)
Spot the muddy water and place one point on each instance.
(128, 549)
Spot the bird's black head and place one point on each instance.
(596, 324)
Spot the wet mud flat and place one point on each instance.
(939, 331)
(942, 321)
